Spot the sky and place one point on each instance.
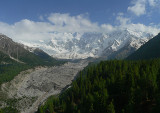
(38, 19)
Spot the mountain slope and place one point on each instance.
(14, 58)
(15, 51)
(5, 59)
(149, 50)
(122, 53)
(84, 45)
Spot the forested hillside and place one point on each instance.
(10, 68)
(5, 59)
(14, 58)
(11, 51)
(149, 50)
(111, 87)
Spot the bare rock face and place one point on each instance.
(20, 53)
(40, 83)
(9, 47)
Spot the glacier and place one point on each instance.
(64, 45)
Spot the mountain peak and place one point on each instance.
(90, 44)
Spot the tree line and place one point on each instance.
(111, 87)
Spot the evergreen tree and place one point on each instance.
(110, 108)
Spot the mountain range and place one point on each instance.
(130, 86)
(117, 44)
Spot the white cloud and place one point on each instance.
(120, 14)
(28, 30)
(125, 23)
(152, 2)
(107, 28)
(138, 8)
(41, 17)
(67, 23)
(141, 28)
(31, 30)
(122, 20)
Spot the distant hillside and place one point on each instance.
(150, 50)
(15, 58)
(12, 51)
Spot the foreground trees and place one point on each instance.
(111, 87)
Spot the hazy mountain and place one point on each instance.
(117, 44)
(149, 50)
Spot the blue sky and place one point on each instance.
(100, 11)
(27, 16)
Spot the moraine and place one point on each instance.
(32, 87)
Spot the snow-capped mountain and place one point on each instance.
(84, 45)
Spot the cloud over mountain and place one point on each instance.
(29, 30)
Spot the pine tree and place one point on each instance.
(51, 107)
(110, 108)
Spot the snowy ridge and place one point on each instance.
(84, 45)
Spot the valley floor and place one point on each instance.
(32, 87)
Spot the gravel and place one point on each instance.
(41, 82)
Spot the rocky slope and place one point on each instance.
(84, 45)
(31, 88)
(22, 54)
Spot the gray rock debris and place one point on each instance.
(42, 82)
